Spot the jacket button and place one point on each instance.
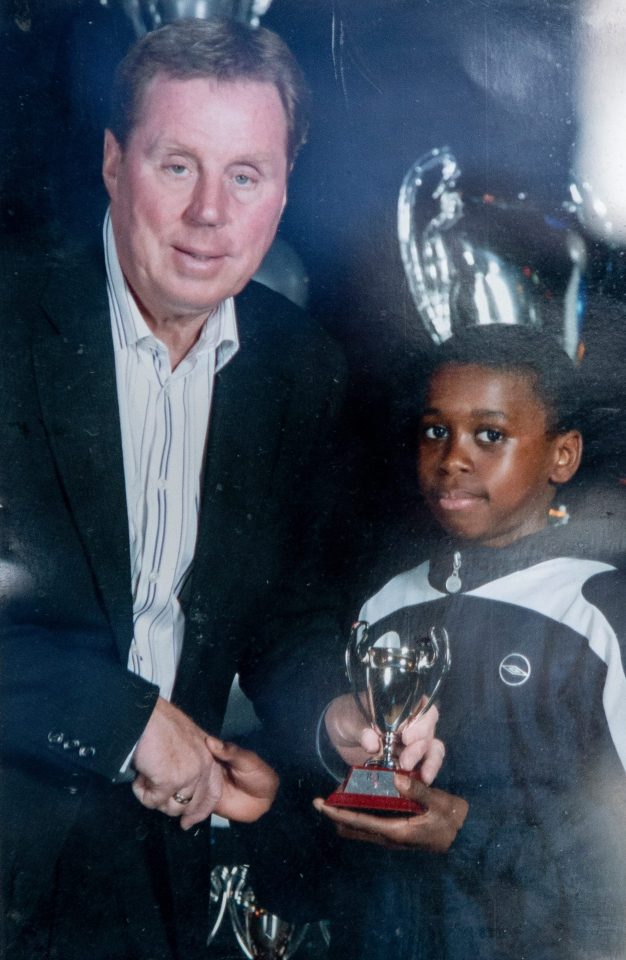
(55, 736)
(87, 752)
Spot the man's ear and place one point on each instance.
(568, 451)
(110, 162)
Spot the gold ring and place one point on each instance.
(179, 798)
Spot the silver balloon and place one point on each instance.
(483, 260)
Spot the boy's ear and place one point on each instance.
(568, 451)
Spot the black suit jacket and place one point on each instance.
(70, 709)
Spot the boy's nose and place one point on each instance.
(456, 457)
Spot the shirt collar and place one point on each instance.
(219, 332)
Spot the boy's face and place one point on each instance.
(487, 464)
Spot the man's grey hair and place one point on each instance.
(218, 49)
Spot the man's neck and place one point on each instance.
(179, 336)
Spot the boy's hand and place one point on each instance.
(248, 784)
(355, 741)
(434, 830)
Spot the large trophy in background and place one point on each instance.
(146, 15)
(395, 677)
(260, 934)
(472, 260)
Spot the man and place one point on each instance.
(161, 482)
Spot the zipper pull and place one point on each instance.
(453, 583)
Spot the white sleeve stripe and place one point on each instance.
(405, 590)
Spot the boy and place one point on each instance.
(533, 712)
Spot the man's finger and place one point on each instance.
(206, 796)
(149, 794)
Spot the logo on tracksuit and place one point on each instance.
(515, 669)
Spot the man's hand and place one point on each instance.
(433, 830)
(249, 785)
(355, 741)
(172, 758)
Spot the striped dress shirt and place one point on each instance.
(164, 419)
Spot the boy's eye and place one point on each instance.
(436, 432)
(490, 436)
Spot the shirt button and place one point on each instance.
(154, 577)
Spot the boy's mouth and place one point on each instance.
(458, 499)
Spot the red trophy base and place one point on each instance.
(372, 789)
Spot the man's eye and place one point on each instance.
(490, 436)
(436, 432)
(243, 179)
(178, 169)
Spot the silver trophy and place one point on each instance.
(218, 899)
(146, 15)
(473, 260)
(395, 678)
(259, 933)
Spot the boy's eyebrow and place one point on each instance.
(499, 414)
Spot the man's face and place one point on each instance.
(486, 460)
(197, 193)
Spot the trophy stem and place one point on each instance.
(388, 750)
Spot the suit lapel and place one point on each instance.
(247, 415)
(75, 373)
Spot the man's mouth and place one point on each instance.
(199, 255)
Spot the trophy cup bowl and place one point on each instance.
(259, 933)
(394, 680)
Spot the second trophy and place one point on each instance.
(395, 679)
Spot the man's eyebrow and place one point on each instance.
(158, 146)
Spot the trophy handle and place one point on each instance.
(441, 651)
(358, 643)
(220, 890)
(428, 270)
(238, 894)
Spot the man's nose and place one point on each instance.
(209, 202)
(456, 457)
